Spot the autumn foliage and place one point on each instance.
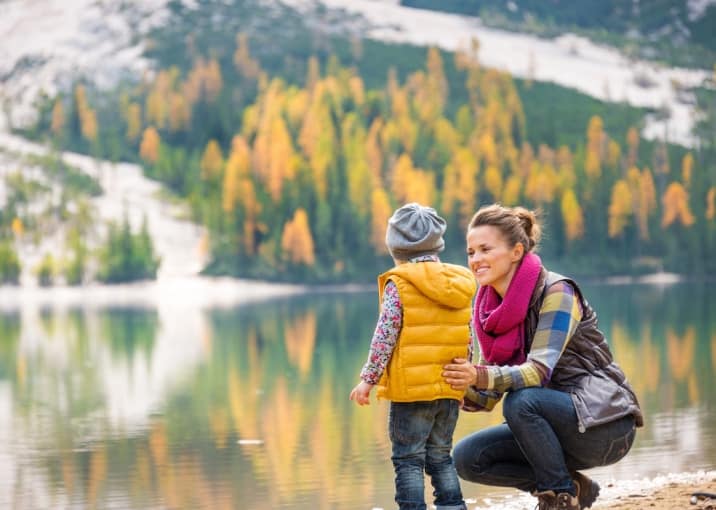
(307, 174)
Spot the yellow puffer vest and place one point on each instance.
(436, 300)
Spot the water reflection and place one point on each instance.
(248, 407)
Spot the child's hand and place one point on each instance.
(361, 393)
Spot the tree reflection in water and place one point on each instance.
(248, 407)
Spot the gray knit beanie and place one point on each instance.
(415, 230)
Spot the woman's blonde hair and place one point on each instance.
(516, 224)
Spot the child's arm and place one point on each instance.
(385, 337)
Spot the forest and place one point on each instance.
(294, 164)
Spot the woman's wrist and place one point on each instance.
(482, 377)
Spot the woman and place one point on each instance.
(567, 405)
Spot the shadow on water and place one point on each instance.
(248, 407)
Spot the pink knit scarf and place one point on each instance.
(499, 324)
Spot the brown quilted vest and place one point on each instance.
(586, 370)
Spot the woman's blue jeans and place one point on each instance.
(421, 434)
(540, 444)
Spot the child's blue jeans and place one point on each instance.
(421, 433)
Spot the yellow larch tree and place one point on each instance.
(493, 181)
(250, 120)
(614, 154)
(644, 196)
(526, 160)
(511, 191)
(297, 241)
(402, 172)
(191, 88)
(231, 185)
(541, 183)
(357, 89)
(421, 188)
(487, 150)
(88, 124)
(149, 146)
(243, 62)
(676, 206)
(179, 115)
(212, 161)
(620, 208)
(407, 132)
(252, 208)
(436, 81)
(460, 185)
(361, 180)
(274, 157)
(380, 213)
(687, 167)
(429, 88)
(213, 80)
(295, 107)
(572, 215)
(446, 135)
(238, 167)
(258, 121)
(87, 116)
(711, 204)
(317, 137)
(17, 227)
(595, 143)
(283, 159)
(156, 106)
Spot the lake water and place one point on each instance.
(247, 408)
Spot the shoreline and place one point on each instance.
(195, 291)
(663, 492)
(207, 291)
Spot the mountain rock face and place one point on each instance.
(50, 44)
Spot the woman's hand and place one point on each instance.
(460, 374)
(361, 393)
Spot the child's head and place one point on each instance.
(414, 230)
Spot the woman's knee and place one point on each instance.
(517, 404)
(466, 459)
(462, 458)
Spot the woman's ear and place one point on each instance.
(518, 250)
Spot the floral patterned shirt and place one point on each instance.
(387, 331)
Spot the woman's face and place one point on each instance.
(491, 259)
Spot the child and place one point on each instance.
(423, 324)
